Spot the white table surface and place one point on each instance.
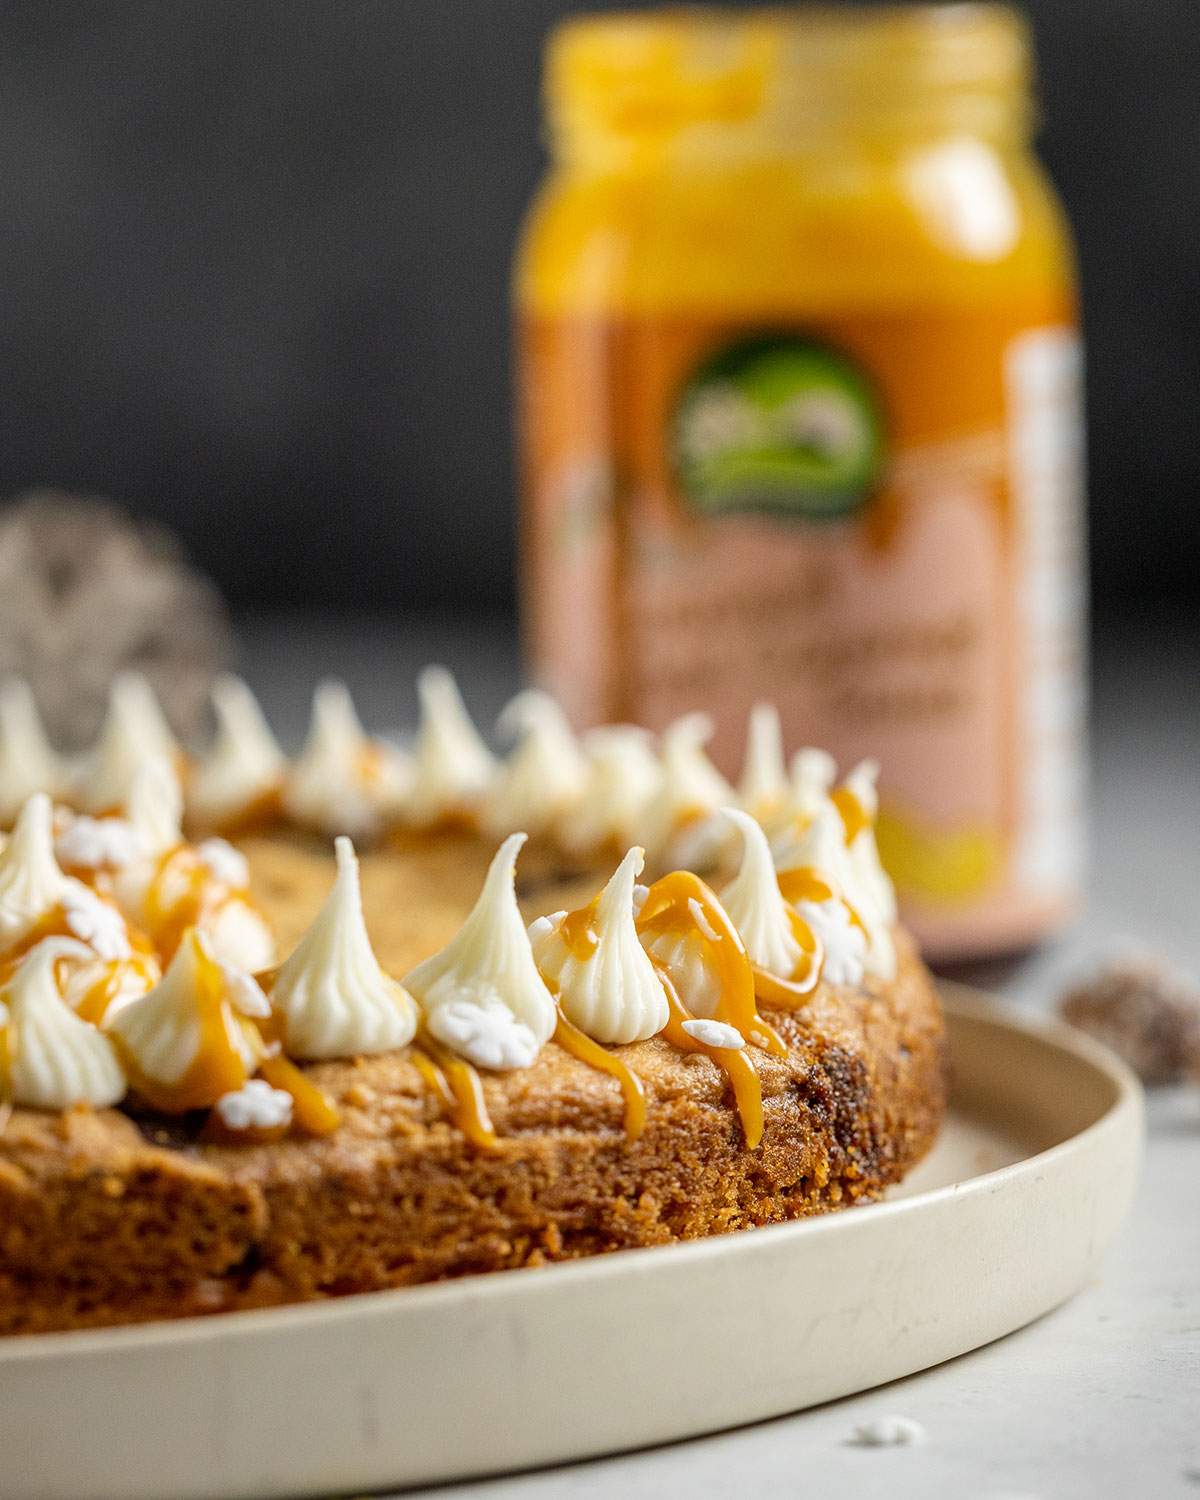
(1100, 1398)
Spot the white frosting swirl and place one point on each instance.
(344, 781)
(32, 886)
(94, 922)
(228, 864)
(864, 853)
(822, 846)
(334, 998)
(691, 788)
(764, 788)
(239, 935)
(622, 778)
(489, 958)
(244, 763)
(57, 1059)
(682, 955)
(163, 1031)
(237, 931)
(122, 984)
(28, 764)
(612, 994)
(543, 778)
(812, 773)
(453, 768)
(31, 882)
(755, 905)
(154, 806)
(134, 731)
(845, 944)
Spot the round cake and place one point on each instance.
(585, 998)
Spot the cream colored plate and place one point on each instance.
(1006, 1219)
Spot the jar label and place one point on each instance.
(873, 521)
(780, 425)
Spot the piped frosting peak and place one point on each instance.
(604, 977)
(31, 881)
(154, 808)
(244, 769)
(812, 774)
(28, 764)
(755, 905)
(54, 1059)
(331, 994)
(858, 801)
(764, 788)
(344, 781)
(543, 778)
(453, 768)
(184, 1043)
(172, 885)
(134, 731)
(622, 776)
(821, 846)
(489, 962)
(692, 784)
(690, 788)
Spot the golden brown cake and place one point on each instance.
(124, 1214)
(111, 1219)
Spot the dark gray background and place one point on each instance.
(254, 265)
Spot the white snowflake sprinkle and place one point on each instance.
(486, 1034)
(255, 1106)
(94, 922)
(98, 843)
(715, 1034)
(888, 1432)
(228, 864)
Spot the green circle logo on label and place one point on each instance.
(779, 425)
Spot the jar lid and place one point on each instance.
(777, 74)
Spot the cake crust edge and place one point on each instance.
(107, 1220)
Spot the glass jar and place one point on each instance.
(799, 409)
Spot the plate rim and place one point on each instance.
(959, 1000)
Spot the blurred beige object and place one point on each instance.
(1146, 1011)
(87, 591)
